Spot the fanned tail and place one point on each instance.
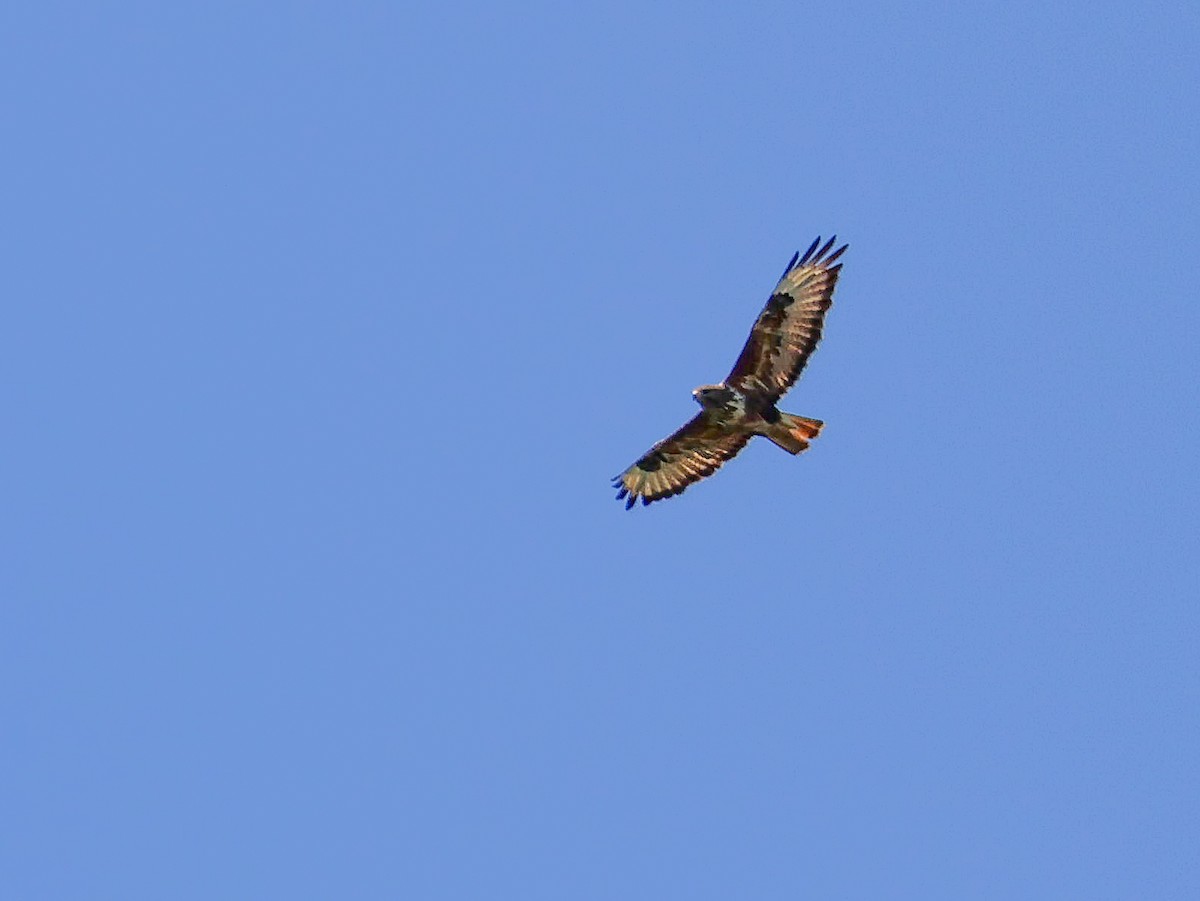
(793, 433)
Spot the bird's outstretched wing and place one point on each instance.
(694, 452)
(789, 327)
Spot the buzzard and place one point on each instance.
(731, 413)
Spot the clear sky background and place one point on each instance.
(326, 324)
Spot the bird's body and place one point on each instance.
(744, 404)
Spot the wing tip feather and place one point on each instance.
(818, 254)
(808, 253)
(791, 264)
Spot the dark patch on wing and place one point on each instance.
(778, 303)
(652, 461)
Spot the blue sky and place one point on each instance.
(327, 325)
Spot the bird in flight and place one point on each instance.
(732, 412)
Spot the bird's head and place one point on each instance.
(709, 396)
